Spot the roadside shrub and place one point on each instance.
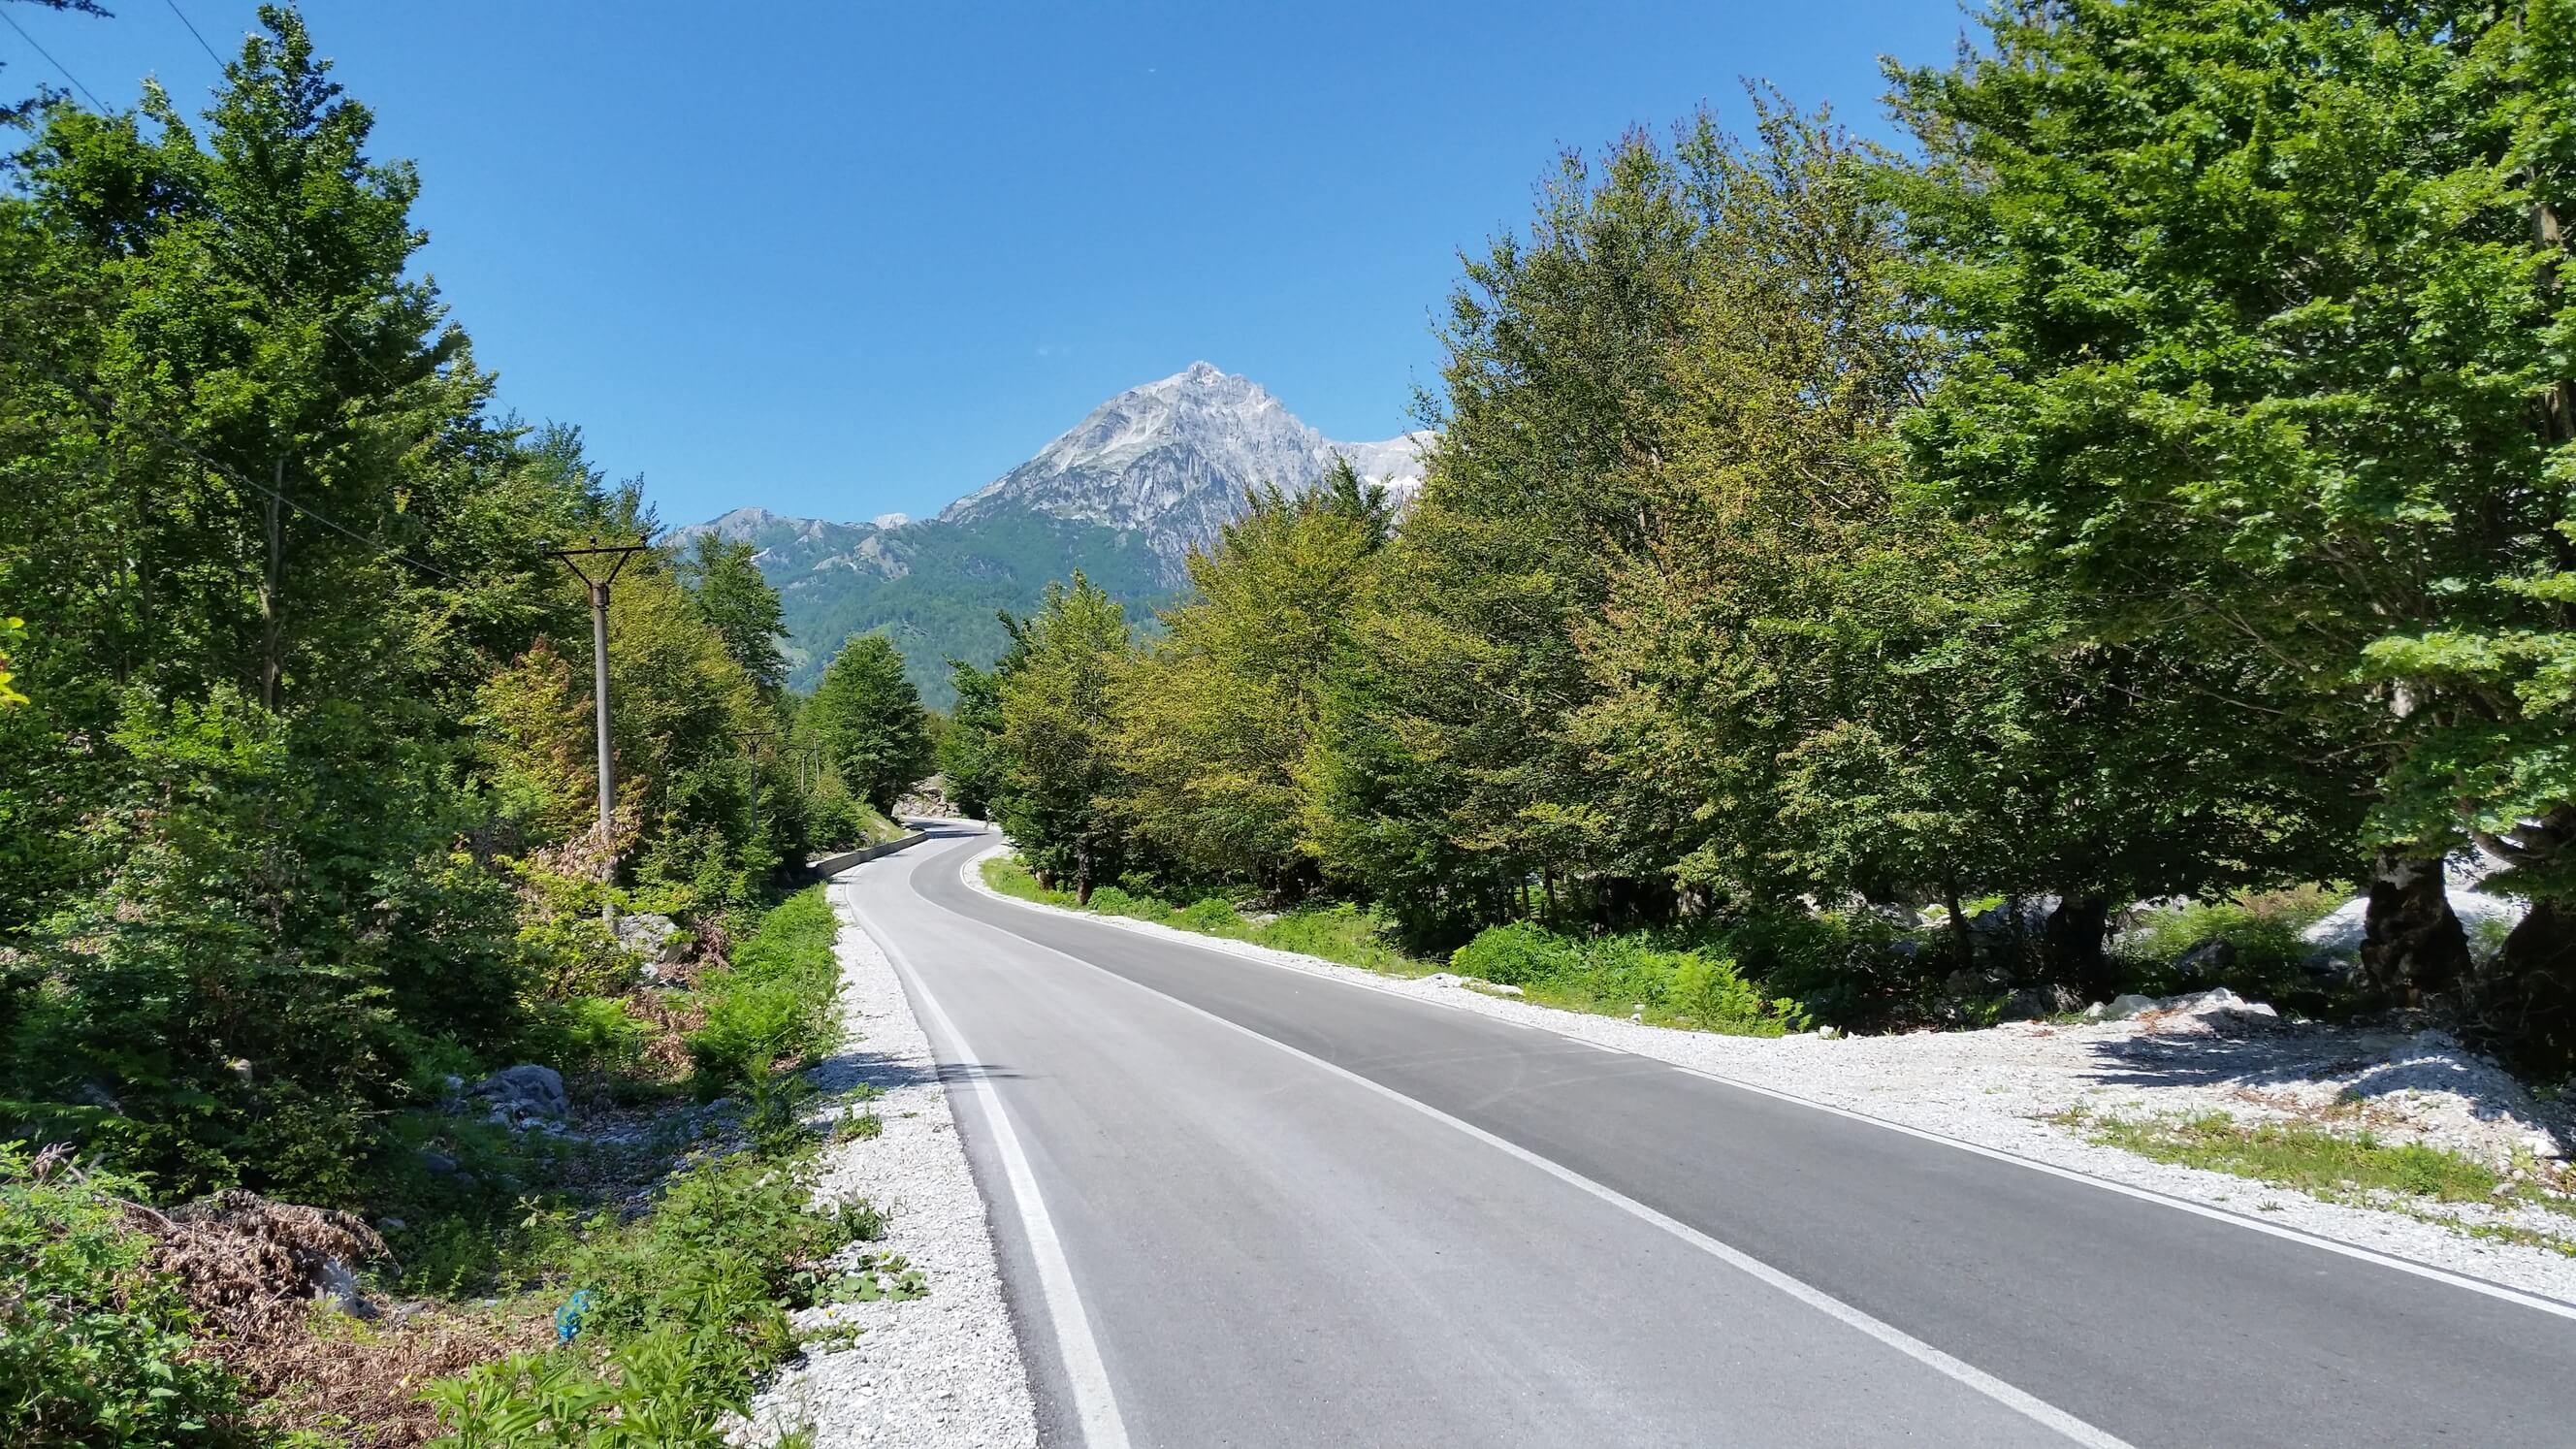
(1110, 900)
(1710, 992)
(1844, 967)
(93, 1340)
(773, 1000)
(1621, 974)
(1343, 932)
(2264, 930)
(1213, 915)
(1519, 954)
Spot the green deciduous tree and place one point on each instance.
(2264, 334)
(1222, 720)
(1061, 775)
(867, 717)
(736, 602)
(1454, 784)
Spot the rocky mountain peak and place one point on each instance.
(1172, 459)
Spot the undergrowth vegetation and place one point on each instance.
(1620, 975)
(94, 1343)
(1341, 932)
(661, 1258)
(2341, 1165)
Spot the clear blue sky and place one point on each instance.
(843, 259)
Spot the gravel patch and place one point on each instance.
(938, 1372)
(1999, 1088)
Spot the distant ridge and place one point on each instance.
(1123, 495)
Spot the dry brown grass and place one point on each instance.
(362, 1381)
(262, 1277)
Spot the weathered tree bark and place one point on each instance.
(1082, 872)
(2411, 943)
(2542, 947)
(1962, 940)
(2076, 934)
(272, 620)
(2524, 1001)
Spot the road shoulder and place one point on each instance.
(1997, 1092)
(942, 1371)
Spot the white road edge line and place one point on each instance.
(2553, 1306)
(2028, 1405)
(1086, 1376)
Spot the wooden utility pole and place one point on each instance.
(616, 554)
(272, 620)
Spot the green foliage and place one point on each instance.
(12, 630)
(1058, 744)
(733, 599)
(94, 1345)
(2270, 362)
(774, 1000)
(1221, 723)
(868, 720)
(688, 1304)
(1623, 975)
(968, 757)
(1518, 954)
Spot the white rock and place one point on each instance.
(2128, 1004)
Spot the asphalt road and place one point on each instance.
(1244, 1205)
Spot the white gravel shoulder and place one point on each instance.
(1998, 1088)
(938, 1372)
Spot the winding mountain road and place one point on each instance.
(1239, 1204)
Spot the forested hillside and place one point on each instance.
(1871, 573)
(934, 588)
(1123, 497)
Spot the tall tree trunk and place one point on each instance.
(2076, 933)
(1082, 871)
(2411, 943)
(2526, 998)
(272, 622)
(1963, 941)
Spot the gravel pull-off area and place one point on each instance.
(935, 1372)
(2001, 1088)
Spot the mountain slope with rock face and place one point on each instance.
(1171, 460)
(1123, 496)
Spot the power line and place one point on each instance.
(94, 102)
(242, 272)
(229, 473)
(192, 30)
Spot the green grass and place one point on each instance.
(1343, 934)
(1610, 978)
(2329, 1166)
(774, 1000)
